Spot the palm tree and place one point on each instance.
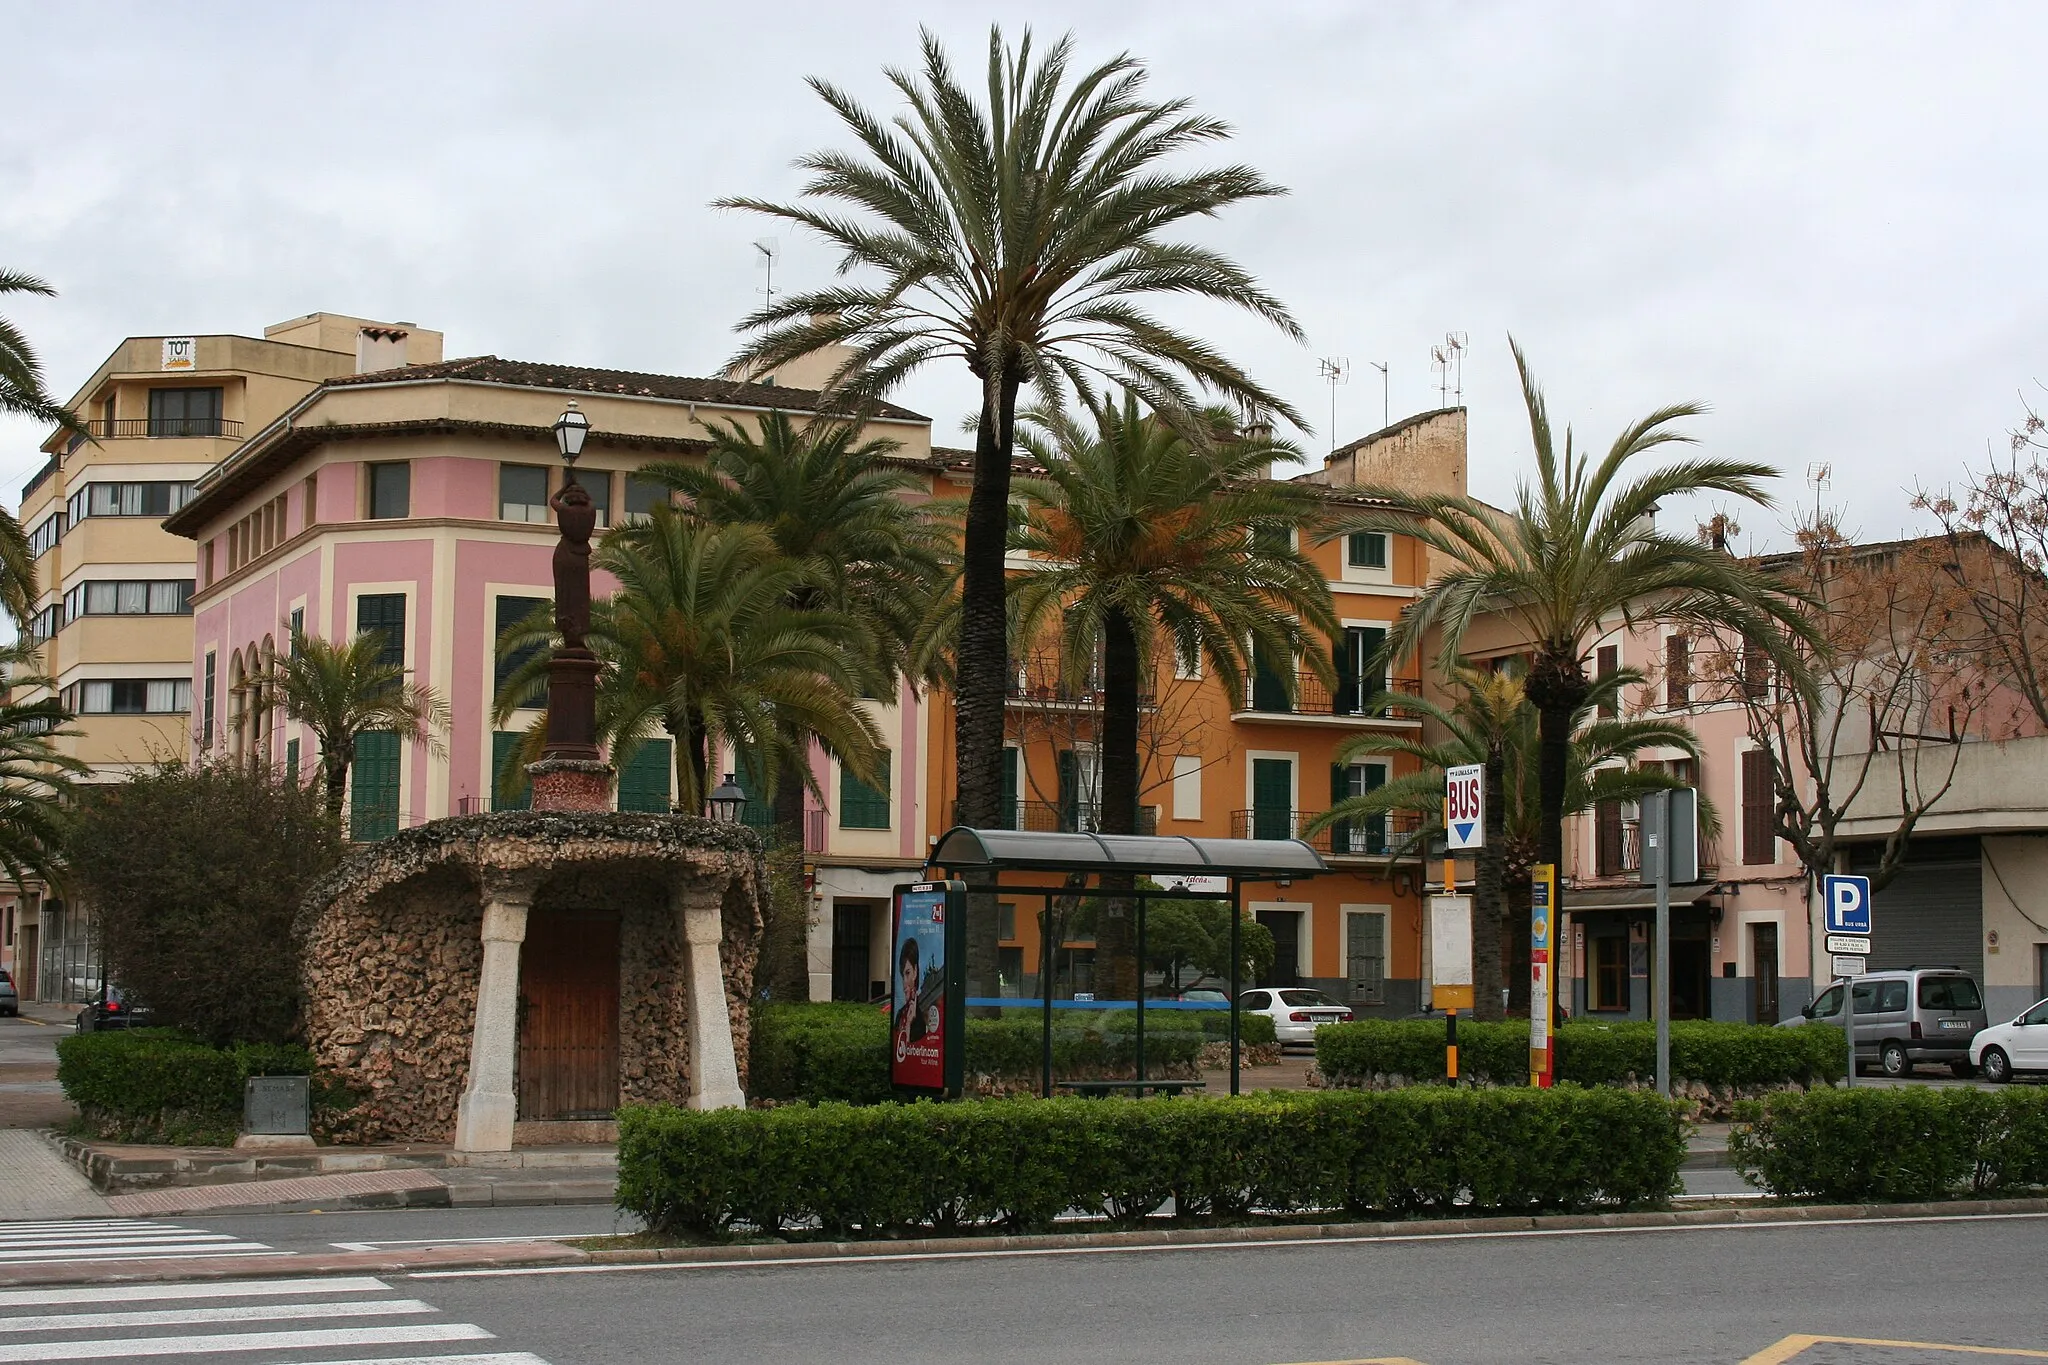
(343, 690)
(700, 641)
(1149, 539)
(35, 776)
(1018, 236)
(1491, 722)
(1580, 550)
(22, 395)
(832, 503)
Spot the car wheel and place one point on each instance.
(1961, 1069)
(1996, 1065)
(1892, 1058)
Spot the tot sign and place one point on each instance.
(1465, 807)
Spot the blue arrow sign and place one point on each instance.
(1463, 829)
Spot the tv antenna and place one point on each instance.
(1449, 363)
(1819, 475)
(1386, 404)
(770, 251)
(1336, 370)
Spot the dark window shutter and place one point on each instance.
(1608, 663)
(1759, 841)
(1677, 671)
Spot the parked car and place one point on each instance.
(2003, 1051)
(10, 999)
(1296, 1011)
(1203, 995)
(1908, 1016)
(111, 1008)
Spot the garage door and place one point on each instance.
(1932, 912)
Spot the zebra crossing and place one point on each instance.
(351, 1319)
(116, 1239)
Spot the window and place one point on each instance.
(48, 532)
(184, 412)
(1949, 993)
(1257, 1000)
(206, 702)
(1367, 835)
(1891, 996)
(153, 499)
(643, 496)
(643, 782)
(129, 697)
(1759, 839)
(291, 761)
(510, 612)
(1829, 1003)
(1677, 670)
(1006, 921)
(1187, 787)
(1365, 955)
(1610, 972)
(1756, 670)
(862, 806)
(1271, 674)
(384, 612)
(1272, 798)
(47, 622)
(1361, 676)
(1366, 550)
(1271, 538)
(1607, 663)
(522, 492)
(505, 757)
(373, 783)
(298, 627)
(390, 491)
(598, 484)
(130, 597)
(309, 505)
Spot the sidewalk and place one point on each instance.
(36, 1182)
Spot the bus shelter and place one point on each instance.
(984, 856)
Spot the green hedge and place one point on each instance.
(1588, 1052)
(157, 1085)
(1885, 1145)
(1015, 1165)
(819, 1052)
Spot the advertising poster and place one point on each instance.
(1542, 913)
(927, 995)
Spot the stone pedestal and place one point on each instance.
(714, 1071)
(572, 784)
(490, 1102)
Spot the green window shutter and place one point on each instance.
(1269, 685)
(860, 805)
(1008, 817)
(759, 812)
(291, 761)
(643, 783)
(509, 612)
(373, 781)
(1366, 550)
(1272, 798)
(384, 612)
(1070, 791)
(505, 744)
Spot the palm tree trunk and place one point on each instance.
(687, 734)
(1117, 937)
(1487, 899)
(334, 763)
(982, 659)
(789, 805)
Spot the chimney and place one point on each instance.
(380, 348)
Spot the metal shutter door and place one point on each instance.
(1931, 914)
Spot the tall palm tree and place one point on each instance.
(35, 776)
(700, 641)
(1018, 235)
(831, 502)
(341, 690)
(1580, 550)
(1149, 539)
(22, 395)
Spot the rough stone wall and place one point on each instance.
(395, 1003)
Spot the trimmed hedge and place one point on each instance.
(841, 1171)
(158, 1085)
(1589, 1053)
(820, 1052)
(1893, 1145)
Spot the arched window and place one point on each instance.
(266, 702)
(238, 704)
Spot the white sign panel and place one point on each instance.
(181, 353)
(1848, 966)
(1465, 806)
(1450, 940)
(1213, 885)
(1848, 943)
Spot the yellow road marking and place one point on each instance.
(1782, 1351)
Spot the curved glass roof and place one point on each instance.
(1031, 850)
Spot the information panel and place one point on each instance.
(928, 993)
(1542, 911)
(1465, 807)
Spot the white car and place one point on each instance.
(2005, 1050)
(1296, 1011)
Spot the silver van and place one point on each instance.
(1908, 1016)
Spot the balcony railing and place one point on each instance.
(1313, 697)
(1618, 851)
(1043, 680)
(1054, 817)
(1374, 836)
(120, 428)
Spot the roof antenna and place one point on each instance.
(771, 252)
(1336, 370)
(1819, 475)
(1386, 404)
(1449, 360)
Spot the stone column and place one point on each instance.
(714, 1072)
(484, 1118)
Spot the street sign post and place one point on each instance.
(1450, 968)
(1671, 852)
(1542, 1008)
(1846, 911)
(1465, 807)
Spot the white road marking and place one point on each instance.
(90, 1239)
(122, 1347)
(190, 1317)
(458, 1241)
(147, 1293)
(490, 1358)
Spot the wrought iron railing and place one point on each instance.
(1044, 679)
(1313, 697)
(1371, 836)
(1058, 817)
(120, 428)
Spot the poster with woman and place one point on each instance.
(927, 1025)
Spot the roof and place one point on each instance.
(490, 369)
(1394, 430)
(1015, 850)
(1583, 899)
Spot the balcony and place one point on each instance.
(1042, 681)
(1375, 836)
(122, 428)
(1055, 817)
(1618, 850)
(1314, 700)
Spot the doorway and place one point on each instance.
(1690, 970)
(1763, 955)
(851, 945)
(1285, 926)
(569, 1016)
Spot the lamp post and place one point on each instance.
(727, 800)
(570, 774)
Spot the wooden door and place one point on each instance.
(1763, 952)
(569, 1017)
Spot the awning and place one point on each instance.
(1579, 900)
(1003, 850)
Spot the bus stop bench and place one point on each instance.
(1096, 1089)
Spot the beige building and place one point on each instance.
(115, 613)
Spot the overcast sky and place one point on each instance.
(1824, 220)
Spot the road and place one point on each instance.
(1715, 1296)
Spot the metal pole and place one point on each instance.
(1660, 990)
(1849, 1028)
(1045, 991)
(1233, 986)
(1138, 908)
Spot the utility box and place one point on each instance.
(276, 1105)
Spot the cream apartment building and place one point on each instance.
(115, 614)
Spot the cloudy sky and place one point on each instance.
(1824, 220)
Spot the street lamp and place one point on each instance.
(570, 430)
(727, 799)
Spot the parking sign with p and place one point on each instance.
(1848, 904)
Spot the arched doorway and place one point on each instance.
(569, 1015)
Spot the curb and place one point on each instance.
(288, 1266)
